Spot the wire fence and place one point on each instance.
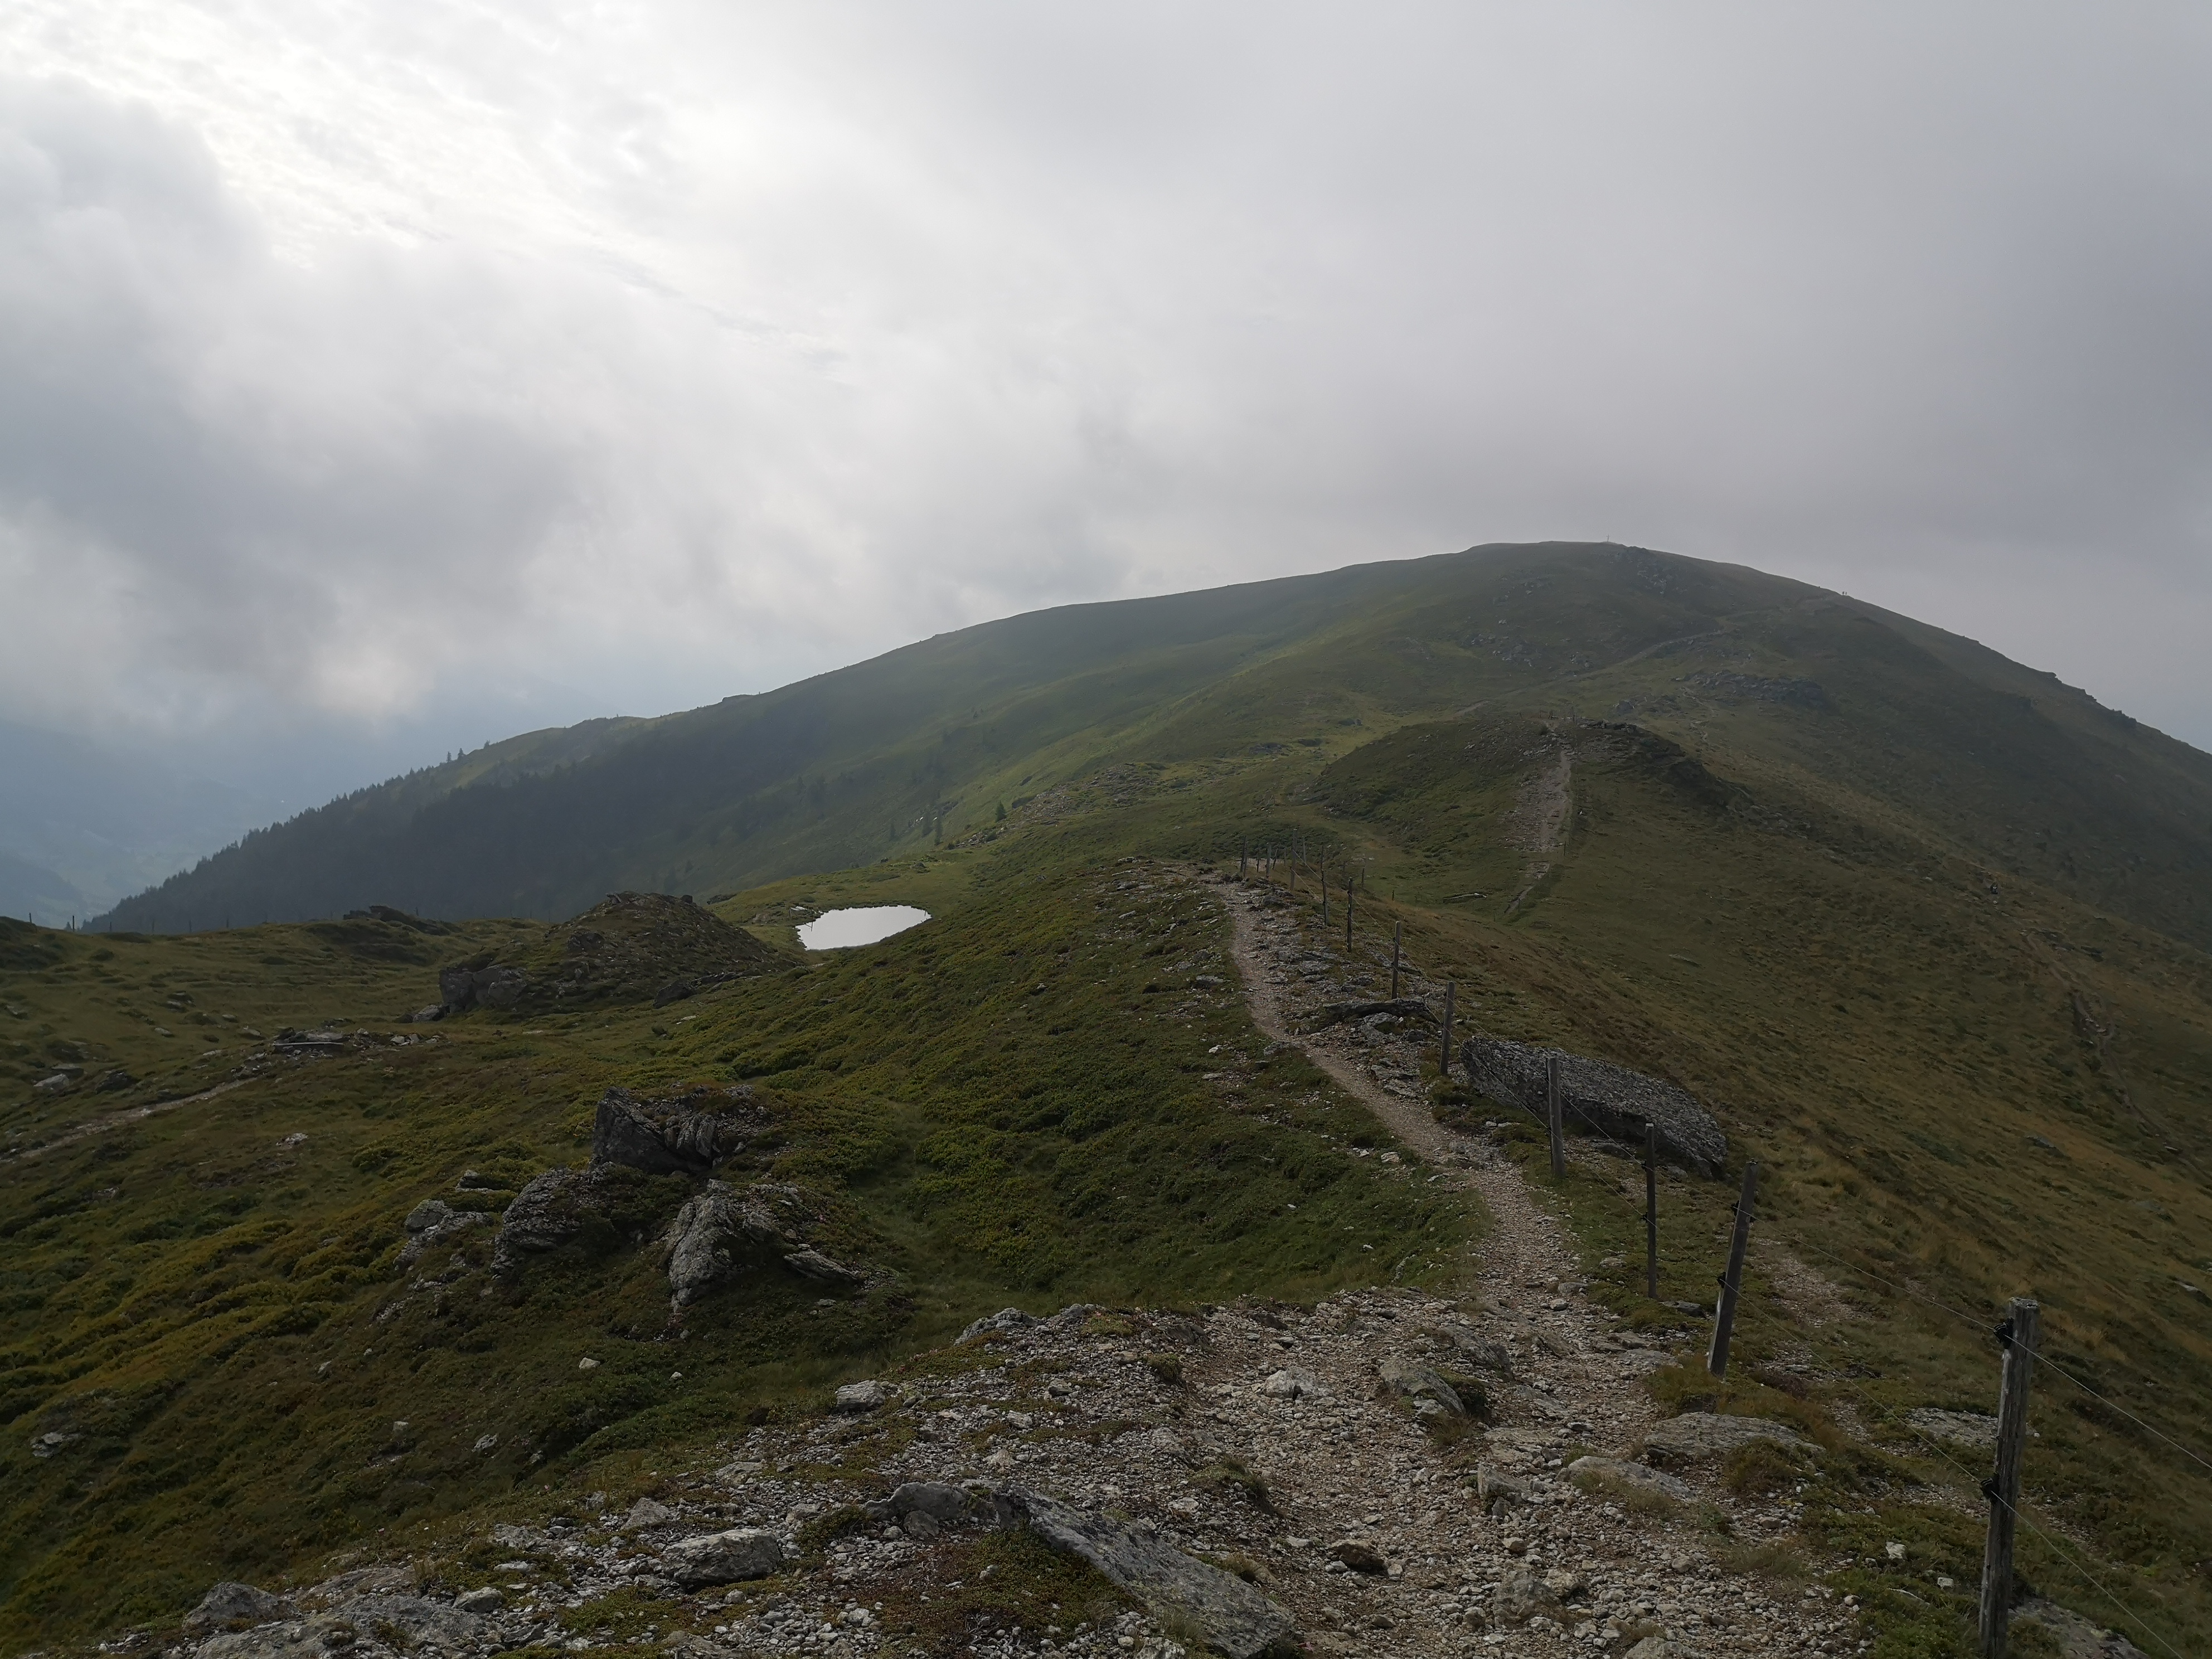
(1983, 1325)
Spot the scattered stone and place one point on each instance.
(1659, 1647)
(724, 1558)
(1708, 1436)
(1291, 1383)
(1228, 1615)
(233, 1606)
(862, 1396)
(487, 1599)
(647, 1512)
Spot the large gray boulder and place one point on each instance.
(1226, 1613)
(1597, 1094)
(1708, 1436)
(724, 1558)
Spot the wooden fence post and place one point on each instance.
(1555, 1112)
(2019, 1335)
(1397, 949)
(1443, 1060)
(1321, 874)
(1240, 858)
(1651, 1211)
(1732, 1280)
(1348, 915)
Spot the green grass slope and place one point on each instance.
(1926, 930)
(220, 1362)
(878, 759)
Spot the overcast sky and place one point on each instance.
(378, 377)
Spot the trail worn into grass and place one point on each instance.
(117, 1120)
(1560, 1381)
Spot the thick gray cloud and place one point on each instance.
(437, 369)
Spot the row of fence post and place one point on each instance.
(2017, 1336)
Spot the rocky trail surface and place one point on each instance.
(1392, 1472)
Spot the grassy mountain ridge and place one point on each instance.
(1924, 928)
(870, 761)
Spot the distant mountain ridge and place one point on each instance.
(875, 760)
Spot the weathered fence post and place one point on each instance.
(1321, 874)
(1348, 915)
(1651, 1211)
(1397, 949)
(2019, 1335)
(1555, 1117)
(1240, 858)
(1732, 1280)
(1444, 1059)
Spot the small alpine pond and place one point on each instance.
(837, 930)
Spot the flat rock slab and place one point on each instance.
(1632, 1475)
(1707, 1436)
(1230, 1616)
(1959, 1428)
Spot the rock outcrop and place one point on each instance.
(481, 985)
(708, 1243)
(675, 1134)
(232, 1606)
(630, 947)
(1708, 1436)
(1597, 1094)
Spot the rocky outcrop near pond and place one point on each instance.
(629, 947)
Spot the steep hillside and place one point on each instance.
(882, 757)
